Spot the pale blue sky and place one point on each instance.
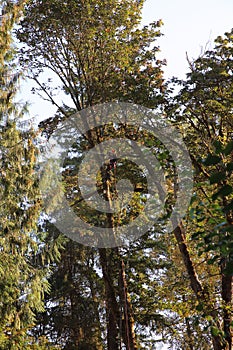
(188, 27)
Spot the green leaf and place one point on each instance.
(215, 331)
(224, 191)
(228, 207)
(199, 307)
(217, 177)
(224, 249)
(230, 166)
(209, 318)
(229, 148)
(218, 146)
(212, 260)
(211, 160)
(197, 233)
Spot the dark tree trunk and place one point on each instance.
(112, 308)
(227, 291)
(128, 320)
(179, 232)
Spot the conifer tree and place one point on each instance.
(22, 281)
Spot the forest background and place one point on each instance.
(163, 288)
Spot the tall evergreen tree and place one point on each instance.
(22, 281)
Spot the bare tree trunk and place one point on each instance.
(98, 336)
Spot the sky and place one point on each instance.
(189, 26)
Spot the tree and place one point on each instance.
(22, 282)
(204, 113)
(99, 54)
(95, 49)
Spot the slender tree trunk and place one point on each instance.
(115, 322)
(98, 337)
(227, 292)
(112, 308)
(196, 286)
(128, 321)
(179, 232)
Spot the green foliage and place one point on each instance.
(96, 50)
(22, 282)
(203, 109)
(100, 54)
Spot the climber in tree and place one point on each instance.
(109, 174)
(112, 163)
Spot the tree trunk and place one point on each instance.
(227, 292)
(179, 232)
(98, 336)
(112, 309)
(128, 321)
(196, 286)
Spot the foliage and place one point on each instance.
(22, 282)
(95, 49)
(203, 110)
(99, 54)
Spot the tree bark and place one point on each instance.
(227, 291)
(196, 286)
(128, 321)
(112, 308)
(201, 294)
